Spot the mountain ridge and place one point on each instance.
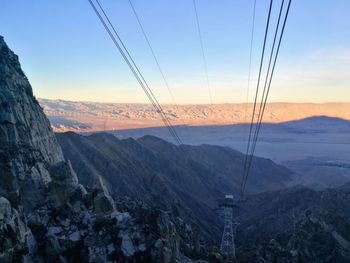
(187, 180)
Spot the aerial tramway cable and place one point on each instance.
(202, 50)
(152, 51)
(266, 91)
(250, 60)
(250, 157)
(269, 66)
(255, 99)
(153, 98)
(133, 67)
(249, 75)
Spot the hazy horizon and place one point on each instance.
(96, 116)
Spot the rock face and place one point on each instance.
(295, 225)
(45, 214)
(28, 147)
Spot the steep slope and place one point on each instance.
(220, 167)
(187, 180)
(29, 149)
(47, 216)
(211, 169)
(295, 225)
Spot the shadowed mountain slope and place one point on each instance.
(206, 166)
(295, 225)
(188, 180)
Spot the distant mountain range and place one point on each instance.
(93, 116)
(305, 137)
(321, 124)
(317, 148)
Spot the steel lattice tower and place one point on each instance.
(228, 241)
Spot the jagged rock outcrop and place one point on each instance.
(28, 146)
(45, 214)
(16, 237)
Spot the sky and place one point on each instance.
(66, 54)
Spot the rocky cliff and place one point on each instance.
(47, 216)
(29, 150)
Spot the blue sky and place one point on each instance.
(66, 53)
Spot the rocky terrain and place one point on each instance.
(94, 116)
(295, 225)
(47, 216)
